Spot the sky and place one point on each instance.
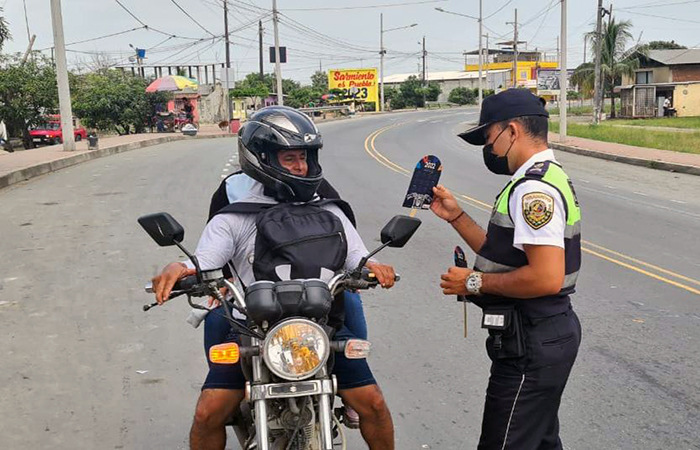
(330, 34)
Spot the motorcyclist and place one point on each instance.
(278, 149)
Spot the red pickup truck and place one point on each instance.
(50, 132)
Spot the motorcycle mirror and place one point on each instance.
(399, 230)
(162, 228)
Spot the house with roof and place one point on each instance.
(672, 74)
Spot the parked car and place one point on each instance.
(50, 132)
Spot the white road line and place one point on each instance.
(678, 201)
(584, 181)
(225, 170)
(228, 165)
(641, 193)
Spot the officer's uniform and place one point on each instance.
(537, 207)
(532, 343)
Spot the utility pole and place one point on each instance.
(487, 61)
(425, 79)
(585, 42)
(381, 61)
(228, 63)
(260, 44)
(562, 76)
(29, 48)
(481, 52)
(278, 66)
(598, 49)
(62, 77)
(515, 48)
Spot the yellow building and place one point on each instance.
(526, 71)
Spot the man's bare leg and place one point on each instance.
(214, 407)
(376, 425)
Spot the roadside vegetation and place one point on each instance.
(607, 132)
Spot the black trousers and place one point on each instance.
(523, 395)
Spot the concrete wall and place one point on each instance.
(689, 72)
(686, 100)
(212, 106)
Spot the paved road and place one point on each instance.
(75, 339)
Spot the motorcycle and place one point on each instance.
(286, 349)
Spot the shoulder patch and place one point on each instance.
(538, 209)
(538, 169)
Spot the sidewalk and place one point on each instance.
(26, 164)
(640, 156)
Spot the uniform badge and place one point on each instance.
(538, 209)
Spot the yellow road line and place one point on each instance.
(371, 149)
(642, 271)
(642, 263)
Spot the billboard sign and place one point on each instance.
(357, 84)
(548, 81)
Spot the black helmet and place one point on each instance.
(269, 131)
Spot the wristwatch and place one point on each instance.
(473, 283)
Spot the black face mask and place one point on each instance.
(497, 164)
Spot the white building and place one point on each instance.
(495, 79)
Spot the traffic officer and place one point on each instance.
(526, 267)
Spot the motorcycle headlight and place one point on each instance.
(296, 349)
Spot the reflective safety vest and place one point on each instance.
(498, 255)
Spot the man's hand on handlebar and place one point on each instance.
(385, 274)
(163, 283)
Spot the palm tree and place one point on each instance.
(4, 30)
(616, 59)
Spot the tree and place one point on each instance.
(113, 100)
(303, 97)
(583, 79)
(616, 58)
(5, 34)
(462, 96)
(432, 92)
(665, 45)
(411, 92)
(27, 93)
(319, 81)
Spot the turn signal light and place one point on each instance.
(224, 353)
(357, 349)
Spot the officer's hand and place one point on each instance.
(385, 274)
(444, 204)
(453, 281)
(163, 283)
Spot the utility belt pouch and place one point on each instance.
(505, 332)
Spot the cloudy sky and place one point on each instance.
(331, 34)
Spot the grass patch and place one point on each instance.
(582, 110)
(663, 140)
(671, 122)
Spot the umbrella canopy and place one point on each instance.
(172, 83)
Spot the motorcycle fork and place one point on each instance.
(325, 417)
(261, 431)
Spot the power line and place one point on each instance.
(544, 18)
(130, 13)
(385, 5)
(659, 4)
(661, 17)
(146, 26)
(191, 18)
(498, 10)
(100, 37)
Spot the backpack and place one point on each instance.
(221, 199)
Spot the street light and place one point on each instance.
(480, 19)
(382, 52)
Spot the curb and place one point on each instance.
(43, 168)
(651, 164)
